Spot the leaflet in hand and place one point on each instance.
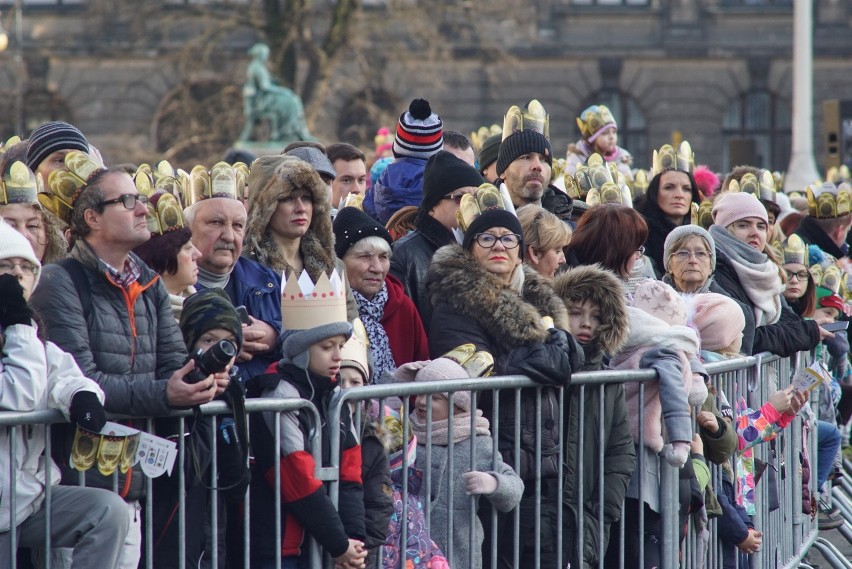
(810, 377)
(120, 447)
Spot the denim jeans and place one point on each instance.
(828, 443)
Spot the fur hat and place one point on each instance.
(419, 133)
(661, 301)
(271, 181)
(296, 343)
(13, 244)
(444, 173)
(602, 288)
(520, 143)
(207, 310)
(731, 207)
(316, 158)
(494, 218)
(681, 231)
(51, 137)
(718, 319)
(351, 225)
(444, 368)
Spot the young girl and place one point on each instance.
(476, 469)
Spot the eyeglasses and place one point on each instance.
(127, 200)
(455, 197)
(684, 255)
(7, 267)
(800, 276)
(641, 250)
(487, 241)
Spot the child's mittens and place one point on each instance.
(476, 482)
(676, 453)
(698, 392)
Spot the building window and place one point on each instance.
(632, 128)
(756, 131)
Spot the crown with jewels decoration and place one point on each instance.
(65, 186)
(533, 117)
(829, 201)
(305, 304)
(667, 158)
(19, 186)
(763, 187)
(596, 181)
(487, 197)
(219, 182)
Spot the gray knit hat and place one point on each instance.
(295, 343)
(683, 231)
(442, 369)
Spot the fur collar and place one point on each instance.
(432, 229)
(317, 245)
(455, 277)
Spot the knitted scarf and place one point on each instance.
(371, 312)
(440, 429)
(667, 278)
(757, 274)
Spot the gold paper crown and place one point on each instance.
(704, 217)
(478, 137)
(593, 119)
(243, 171)
(164, 213)
(475, 363)
(19, 185)
(353, 200)
(219, 182)
(65, 186)
(816, 273)
(13, 140)
(830, 278)
(356, 351)
(762, 188)
(640, 183)
(795, 250)
(844, 288)
(473, 205)
(667, 158)
(837, 175)
(602, 187)
(828, 201)
(307, 305)
(777, 248)
(533, 117)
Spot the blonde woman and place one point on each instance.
(545, 236)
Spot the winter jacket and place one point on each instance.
(378, 504)
(257, 288)
(34, 376)
(411, 257)
(733, 526)
(789, 335)
(400, 185)
(304, 499)
(580, 151)
(813, 234)
(406, 336)
(505, 498)
(557, 202)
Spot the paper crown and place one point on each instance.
(828, 201)
(844, 288)
(795, 250)
(837, 175)
(475, 363)
(19, 186)
(667, 158)
(640, 183)
(352, 200)
(13, 140)
(593, 119)
(243, 171)
(219, 182)
(533, 117)
(483, 133)
(487, 197)
(762, 188)
(356, 351)
(596, 181)
(65, 186)
(704, 216)
(164, 213)
(829, 277)
(307, 305)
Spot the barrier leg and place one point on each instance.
(831, 554)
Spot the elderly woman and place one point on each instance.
(391, 319)
(545, 236)
(689, 259)
(746, 271)
(482, 294)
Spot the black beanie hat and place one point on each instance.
(444, 173)
(207, 310)
(520, 143)
(489, 150)
(494, 218)
(51, 137)
(351, 225)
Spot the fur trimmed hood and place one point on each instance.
(603, 288)
(455, 277)
(277, 178)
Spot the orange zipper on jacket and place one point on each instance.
(130, 297)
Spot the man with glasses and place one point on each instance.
(445, 180)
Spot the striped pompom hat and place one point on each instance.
(419, 133)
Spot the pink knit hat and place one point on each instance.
(661, 301)
(735, 206)
(445, 368)
(718, 319)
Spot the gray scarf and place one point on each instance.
(371, 312)
(705, 287)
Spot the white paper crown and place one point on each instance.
(307, 305)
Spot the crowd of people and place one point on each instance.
(433, 258)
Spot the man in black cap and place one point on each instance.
(445, 180)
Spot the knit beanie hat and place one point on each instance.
(444, 172)
(494, 218)
(520, 143)
(682, 231)
(489, 150)
(295, 343)
(827, 298)
(419, 133)
(661, 301)
(732, 207)
(351, 225)
(208, 310)
(718, 319)
(51, 137)
(444, 368)
(316, 158)
(13, 244)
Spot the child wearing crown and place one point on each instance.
(315, 331)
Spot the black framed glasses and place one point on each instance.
(800, 275)
(487, 241)
(455, 197)
(127, 200)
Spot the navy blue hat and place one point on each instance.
(51, 137)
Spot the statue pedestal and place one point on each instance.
(260, 148)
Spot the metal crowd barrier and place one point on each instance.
(787, 532)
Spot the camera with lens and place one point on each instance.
(214, 360)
